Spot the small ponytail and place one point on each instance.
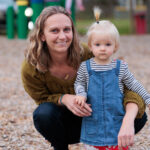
(97, 13)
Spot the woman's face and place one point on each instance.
(58, 33)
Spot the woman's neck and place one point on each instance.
(59, 59)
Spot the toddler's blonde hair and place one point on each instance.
(103, 27)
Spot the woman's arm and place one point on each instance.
(132, 97)
(135, 108)
(126, 133)
(34, 84)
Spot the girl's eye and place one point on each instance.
(97, 44)
(108, 44)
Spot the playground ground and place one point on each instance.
(16, 127)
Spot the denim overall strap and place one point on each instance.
(88, 66)
(118, 67)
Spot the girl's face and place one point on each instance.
(102, 47)
(57, 33)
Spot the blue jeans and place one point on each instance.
(57, 124)
(61, 127)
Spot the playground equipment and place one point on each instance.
(37, 6)
(22, 22)
(23, 18)
(10, 22)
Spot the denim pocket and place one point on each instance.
(91, 125)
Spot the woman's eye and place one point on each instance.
(54, 30)
(108, 44)
(67, 29)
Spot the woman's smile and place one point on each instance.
(58, 36)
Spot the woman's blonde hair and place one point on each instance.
(37, 52)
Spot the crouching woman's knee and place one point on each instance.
(46, 116)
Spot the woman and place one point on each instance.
(48, 75)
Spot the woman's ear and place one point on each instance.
(43, 37)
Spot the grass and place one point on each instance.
(123, 25)
(82, 26)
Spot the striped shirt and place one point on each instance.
(125, 78)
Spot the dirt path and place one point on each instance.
(16, 128)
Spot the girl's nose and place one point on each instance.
(102, 47)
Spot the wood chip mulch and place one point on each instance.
(16, 127)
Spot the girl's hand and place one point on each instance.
(70, 102)
(80, 100)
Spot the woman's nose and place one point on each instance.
(62, 35)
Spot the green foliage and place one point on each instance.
(123, 25)
(82, 26)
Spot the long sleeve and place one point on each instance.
(129, 96)
(132, 97)
(35, 85)
(134, 85)
(80, 85)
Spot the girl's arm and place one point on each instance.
(80, 84)
(134, 85)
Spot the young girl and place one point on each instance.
(100, 82)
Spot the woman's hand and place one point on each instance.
(126, 133)
(69, 101)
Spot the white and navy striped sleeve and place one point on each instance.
(80, 85)
(132, 84)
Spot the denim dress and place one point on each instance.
(106, 99)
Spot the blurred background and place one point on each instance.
(17, 17)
